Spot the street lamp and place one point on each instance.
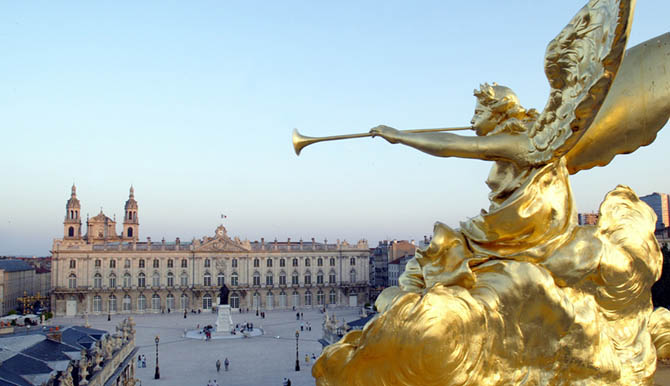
(157, 375)
(297, 360)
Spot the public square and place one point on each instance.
(260, 360)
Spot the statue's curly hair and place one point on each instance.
(504, 103)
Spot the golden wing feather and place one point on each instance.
(580, 64)
(636, 108)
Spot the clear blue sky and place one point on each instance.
(194, 102)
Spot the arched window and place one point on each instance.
(156, 302)
(257, 278)
(352, 261)
(130, 232)
(126, 280)
(256, 301)
(308, 278)
(282, 278)
(184, 263)
(127, 303)
(169, 302)
(319, 262)
(269, 300)
(156, 279)
(112, 264)
(234, 263)
(332, 277)
(170, 263)
(269, 278)
(141, 303)
(72, 281)
(73, 264)
(233, 280)
(352, 276)
(295, 278)
(183, 280)
(207, 263)
(98, 263)
(319, 278)
(156, 263)
(308, 262)
(97, 303)
(282, 300)
(97, 280)
(183, 301)
(332, 261)
(207, 302)
(234, 300)
(268, 262)
(332, 297)
(170, 280)
(112, 280)
(257, 263)
(111, 303)
(207, 280)
(141, 280)
(296, 299)
(295, 262)
(220, 279)
(282, 262)
(70, 232)
(320, 298)
(308, 298)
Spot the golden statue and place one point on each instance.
(521, 294)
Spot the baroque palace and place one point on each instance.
(103, 272)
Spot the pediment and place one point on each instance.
(221, 244)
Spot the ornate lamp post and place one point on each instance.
(157, 375)
(297, 360)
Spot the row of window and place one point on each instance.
(207, 279)
(141, 302)
(184, 263)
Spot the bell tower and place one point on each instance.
(131, 225)
(72, 223)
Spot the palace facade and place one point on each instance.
(102, 272)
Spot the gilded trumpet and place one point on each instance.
(300, 141)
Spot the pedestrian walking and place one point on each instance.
(215, 383)
(306, 359)
(144, 361)
(218, 365)
(297, 315)
(139, 361)
(289, 382)
(226, 362)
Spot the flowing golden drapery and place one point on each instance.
(578, 315)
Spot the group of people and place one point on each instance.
(141, 361)
(305, 326)
(287, 382)
(212, 383)
(226, 363)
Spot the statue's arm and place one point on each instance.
(507, 147)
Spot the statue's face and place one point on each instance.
(483, 120)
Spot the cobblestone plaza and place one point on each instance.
(261, 360)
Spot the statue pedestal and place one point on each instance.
(224, 322)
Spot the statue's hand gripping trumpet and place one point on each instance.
(521, 294)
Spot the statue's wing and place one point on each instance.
(580, 64)
(636, 108)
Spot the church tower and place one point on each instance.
(72, 223)
(131, 225)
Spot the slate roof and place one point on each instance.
(30, 358)
(15, 265)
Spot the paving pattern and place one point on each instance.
(258, 360)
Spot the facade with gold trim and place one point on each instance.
(102, 272)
